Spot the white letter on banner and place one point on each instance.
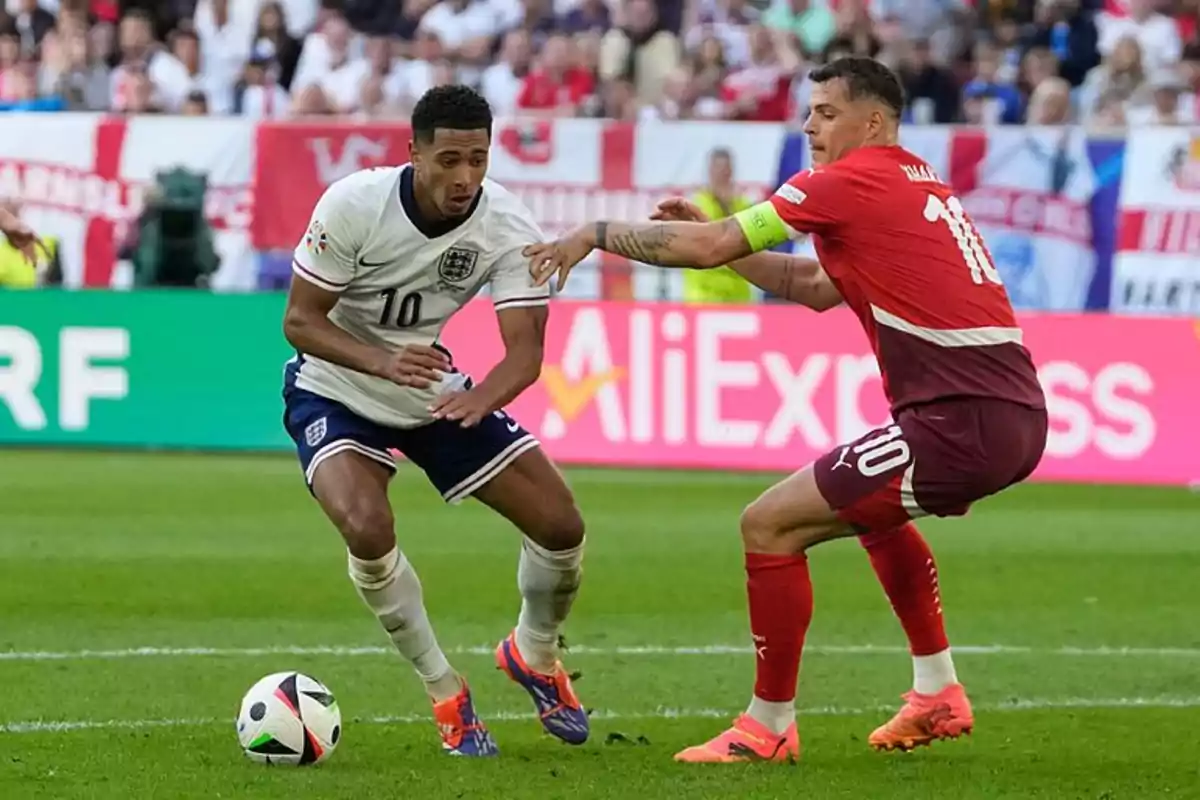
(80, 381)
(19, 377)
(713, 375)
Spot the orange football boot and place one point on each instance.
(747, 740)
(925, 718)
(462, 732)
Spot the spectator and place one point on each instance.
(140, 60)
(182, 75)
(931, 90)
(641, 49)
(988, 100)
(310, 101)
(537, 19)
(370, 17)
(339, 75)
(1156, 33)
(761, 91)
(855, 27)
(71, 71)
(1038, 65)
(728, 24)
(225, 34)
(618, 100)
(1165, 89)
(501, 82)
(1189, 70)
(374, 96)
(259, 95)
(555, 87)
(585, 49)
(588, 16)
(1065, 29)
(138, 96)
(272, 41)
(10, 57)
(1050, 103)
(812, 23)
(411, 79)
(195, 104)
(463, 26)
(1008, 41)
(938, 22)
(1117, 80)
(32, 23)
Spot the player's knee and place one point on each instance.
(560, 528)
(760, 532)
(368, 528)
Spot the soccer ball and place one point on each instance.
(289, 718)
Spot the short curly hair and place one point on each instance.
(458, 108)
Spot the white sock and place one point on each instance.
(777, 717)
(549, 581)
(933, 673)
(390, 587)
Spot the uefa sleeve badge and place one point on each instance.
(315, 241)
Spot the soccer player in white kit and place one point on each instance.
(389, 256)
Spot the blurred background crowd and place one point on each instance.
(1099, 62)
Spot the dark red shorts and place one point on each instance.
(937, 459)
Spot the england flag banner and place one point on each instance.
(1157, 269)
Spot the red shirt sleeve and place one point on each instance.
(813, 201)
(531, 95)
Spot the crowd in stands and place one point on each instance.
(1106, 63)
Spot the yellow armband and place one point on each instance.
(762, 226)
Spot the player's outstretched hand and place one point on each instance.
(559, 256)
(417, 365)
(676, 209)
(24, 238)
(467, 407)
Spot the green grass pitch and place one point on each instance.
(1074, 610)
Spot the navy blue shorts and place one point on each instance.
(457, 460)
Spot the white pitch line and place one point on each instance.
(585, 650)
(67, 726)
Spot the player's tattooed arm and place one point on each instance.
(674, 244)
(795, 278)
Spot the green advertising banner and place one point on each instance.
(180, 369)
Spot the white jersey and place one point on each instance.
(400, 281)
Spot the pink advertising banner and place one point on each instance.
(773, 387)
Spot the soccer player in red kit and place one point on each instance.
(895, 245)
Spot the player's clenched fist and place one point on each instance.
(417, 365)
(676, 209)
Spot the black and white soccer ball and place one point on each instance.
(289, 718)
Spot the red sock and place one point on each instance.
(781, 605)
(905, 566)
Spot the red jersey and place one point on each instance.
(908, 260)
(540, 90)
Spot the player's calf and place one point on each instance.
(533, 496)
(352, 491)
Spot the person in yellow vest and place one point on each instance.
(718, 200)
(19, 253)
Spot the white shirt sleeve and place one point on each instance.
(326, 254)
(511, 284)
